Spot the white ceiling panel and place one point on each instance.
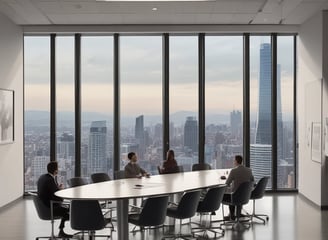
(67, 12)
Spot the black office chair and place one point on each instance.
(180, 168)
(209, 204)
(175, 169)
(77, 181)
(239, 198)
(152, 214)
(201, 166)
(120, 174)
(103, 177)
(86, 216)
(44, 212)
(186, 208)
(258, 193)
(100, 177)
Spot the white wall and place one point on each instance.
(312, 175)
(11, 77)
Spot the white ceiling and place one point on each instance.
(85, 12)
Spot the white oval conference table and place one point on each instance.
(124, 189)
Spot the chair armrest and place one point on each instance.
(173, 203)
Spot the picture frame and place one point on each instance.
(316, 142)
(6, 116)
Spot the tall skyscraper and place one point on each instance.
(97, 147)
(191, 134)
(66, 146)
(140, 135)
(263, 129)
(235, 124)
(260, 152)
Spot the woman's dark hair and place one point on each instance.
(170, 154)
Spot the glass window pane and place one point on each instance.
(285, 123)
(184, 99)
(65, 107)
(223, 100)
(37, 108)
(96, 105)
(260, 107)
(141, 100)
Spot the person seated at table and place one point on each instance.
(237, 176)
(47, 186)
(170, 165)
(132, 169)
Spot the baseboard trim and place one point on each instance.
(322, 207)
(10, 204)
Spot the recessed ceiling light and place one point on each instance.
(154, 9)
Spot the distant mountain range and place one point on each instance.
(43, 118)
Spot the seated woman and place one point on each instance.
(170, 164)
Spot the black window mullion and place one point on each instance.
(201, 97)
(166, 93)
(77, 87)
(116, 118)
(246, 102)
(274, 128)
(53, 143)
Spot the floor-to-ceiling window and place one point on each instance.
(183, 99)
(37, 108)
(285, 113)
(141, 100)
(260, 107)
(223, 100)
(96, 105)
(65, 148)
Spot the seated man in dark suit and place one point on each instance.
(132, 169)
(237, 175)
(47, 186)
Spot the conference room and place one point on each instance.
(86, 82)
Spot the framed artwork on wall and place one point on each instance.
(316, 142)
(6, 116)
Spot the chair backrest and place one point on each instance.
(200, 166)
(243, 193)
(100, 177)
(188, 204)
(153, 212)
(175, 169)
(86, 215)
(77, 181)
(120, 174)
(259, 189)
(159, 169)
(42, 209)
(212, 199)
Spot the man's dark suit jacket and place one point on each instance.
(46, 189)
(132, 170)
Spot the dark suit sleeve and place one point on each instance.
(54, 188)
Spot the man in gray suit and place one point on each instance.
(238, 175)
(132, 169)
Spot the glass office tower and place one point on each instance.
(260, 153)
(97, 147)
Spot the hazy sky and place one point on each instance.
(141, 73)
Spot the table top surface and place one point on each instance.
(145, 187)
